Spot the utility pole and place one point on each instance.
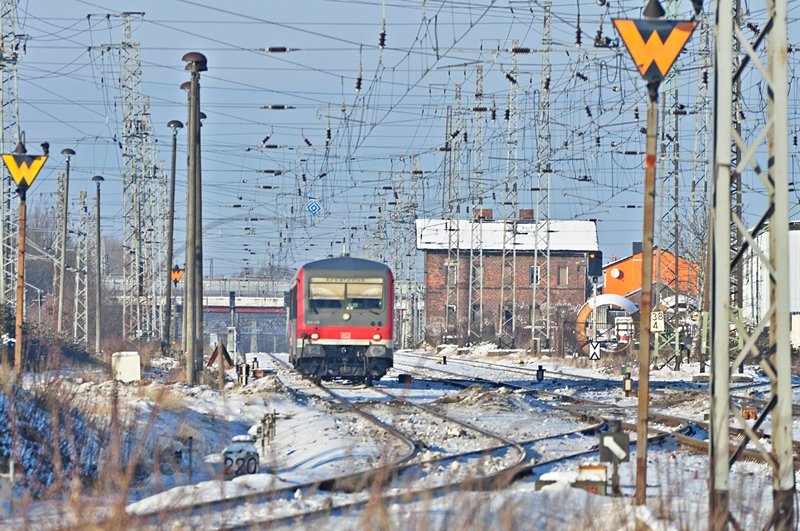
(193, 296)
(771, 252)
(167, 333)
(67, 152)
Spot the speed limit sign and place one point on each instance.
(656, 321)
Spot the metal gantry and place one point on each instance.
(770, 144)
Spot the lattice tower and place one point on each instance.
(764, 159)
(80, 329)
(506, 331)
(544, 155)
(12, 46)
(415, 327)
(61, 204)
(142, 243)
(452, 303)
(476, 191)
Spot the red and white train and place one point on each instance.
(340, 319)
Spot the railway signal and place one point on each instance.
(654, 44)
(595, 268)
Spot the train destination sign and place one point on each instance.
(654, 44)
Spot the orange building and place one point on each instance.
(624, 276)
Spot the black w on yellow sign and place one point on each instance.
(654, 44)
(23, 168)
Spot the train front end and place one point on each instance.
(341, 322)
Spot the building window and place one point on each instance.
(533, 275)
(563, 276)
(452, 274)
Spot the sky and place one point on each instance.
(339, 143)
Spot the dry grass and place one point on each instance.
(162, 397)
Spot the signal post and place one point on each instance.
(654, 45)
(24, 169)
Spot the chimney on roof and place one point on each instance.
(526, 214)
(636, 247)
(483, 214)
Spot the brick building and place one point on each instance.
(464, 286)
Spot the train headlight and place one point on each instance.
(376, 337)
(346, 316)
(314, 336)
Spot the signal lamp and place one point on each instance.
(314, 336)
(376, 337)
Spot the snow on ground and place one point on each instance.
(313, 442)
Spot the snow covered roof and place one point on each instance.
(570, 235)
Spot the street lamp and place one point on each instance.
(67, 152)
(167, 335)
(193, 291)
(97, 179)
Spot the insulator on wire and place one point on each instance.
(547, 83)
(705, 77)
(382, 40)
(511, 78)
(597, 141)
(308, 142)
(520, 49)
(358, 84)
(588, 111)
(465, 136)
(508, 114)
(636, 113)
(494, 114)
(328, 134)
(581, 76)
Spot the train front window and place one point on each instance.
(346, 293)
(366, 296)
(326, 295)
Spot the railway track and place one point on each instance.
(493, 461)
(688, 435)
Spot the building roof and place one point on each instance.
(570, 235)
